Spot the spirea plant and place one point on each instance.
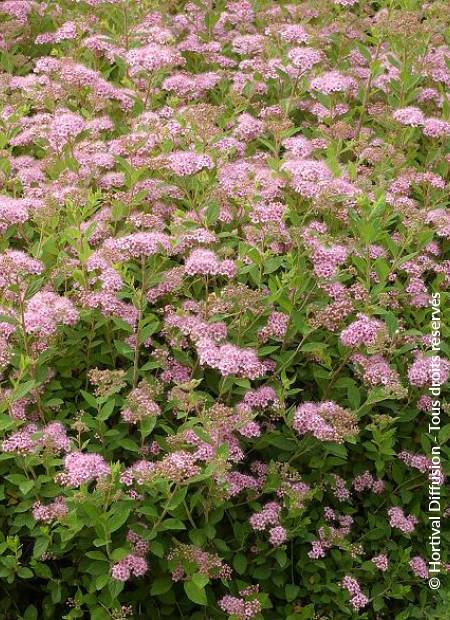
(224, 226)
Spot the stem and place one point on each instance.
(367, 93)
(335, 375)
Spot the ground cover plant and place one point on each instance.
(224, 228)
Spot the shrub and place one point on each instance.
(224, 273)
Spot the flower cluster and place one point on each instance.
(358, 599)
(404, 523)
(326, 421)
(224, 276)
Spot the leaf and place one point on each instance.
(16, 479)
(99, 614)
(281, 557)
(124, 349)
(101, 581)
(31, 613)
(25, 487)
(25, 573)
(194, 593)
(148, 331)
(157, 549)
(119, 517)
(173, 524)
(444, 434)
(291, 591)
(22, 390)
(178, 498)
(40, 546)
(240, 563)
(129, 444)
(107, 410)
(91, 401)
(212, 213)
(161, 585)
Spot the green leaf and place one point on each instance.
(129, 444)
(157, 549)
(124, 349)
(25, 573)
(444, 434)
(101, 581)
(99, 614)
(281, 557)
(119, 516)
(91, 401)
(16, 479)
(107, 410)
(31, 613)
(173, 524)
(178, 498)
(40, 546)
(240, 563)
(212, 213)
(22, 390)
(25, 487)
(291, 591)
(161, 585)
(194, 593)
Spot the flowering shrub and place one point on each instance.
(223, 225)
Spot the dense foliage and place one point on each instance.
(224, 227)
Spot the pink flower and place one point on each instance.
(381, 562)
(248, 44)
(45, 311)
(428, 371)
(205, 262)
(81, 468)
(54, 511)
(187, 163)
(131, 564)
(304, 58)
(278, 535)
(399, 520)
(333, 82)
(363, 331)
(419, 567)
(152, 57)
(325, 421)
(409, 116)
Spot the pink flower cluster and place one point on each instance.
(205, 563)
(130, 565)
(326, 421)
(244, 607)
(400, 521)
(367, 481)
(381, 562)
(229, 359)
(428, 370)
(140, 404)
(376, 370)
(187, 163)
(358, 600)
(419, 567)
(414, 117)
(362, 332)
(51, 438)
(276, 327)
(82, 468)
(45, 311)
(205, 262)
(54, 511)
(270, 515)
